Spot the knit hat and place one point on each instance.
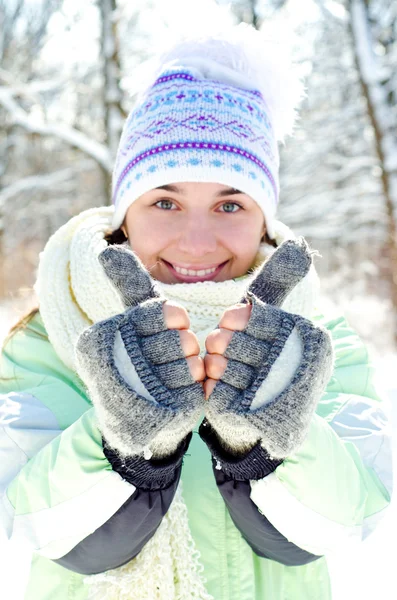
(214, 111)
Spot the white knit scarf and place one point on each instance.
(73, 293)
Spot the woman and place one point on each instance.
(185, 348)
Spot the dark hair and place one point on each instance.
(268, 240)
(22, 324)
(115, 237)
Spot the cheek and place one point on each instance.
(148, 238)
(242, 238)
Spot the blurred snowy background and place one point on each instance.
(68, 73)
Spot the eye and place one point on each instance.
(164, 204)
(231, 207)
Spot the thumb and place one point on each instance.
(282, 272)
(128, 275)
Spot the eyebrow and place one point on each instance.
(178, 190)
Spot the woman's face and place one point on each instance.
(189, 232)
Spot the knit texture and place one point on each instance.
(212, 109)
(191, 129)
(238, 409)
(246, 58)
(74, 292)
(131, 423)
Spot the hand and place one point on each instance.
(233, 319)
(141, 367)
(267, 368)
(177, 318)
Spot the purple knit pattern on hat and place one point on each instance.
(174, 76)
(188, 77)
(199, 146)
(200, 130)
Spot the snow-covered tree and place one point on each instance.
(378, 83)
(331, 185)
(112, 95)
(22, 34)
(62, 105)
(60, 113)
(255, 12)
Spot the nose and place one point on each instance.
(197, 238)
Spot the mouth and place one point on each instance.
(194, 275)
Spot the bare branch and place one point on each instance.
(40, 182)
(8, 23)
(75, 138)
(29, 90)
(379, 114)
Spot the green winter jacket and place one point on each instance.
(58, 487)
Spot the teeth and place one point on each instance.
(192, 273)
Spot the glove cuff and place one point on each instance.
(254, 464)
(153, 474)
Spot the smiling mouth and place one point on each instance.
(191, 275)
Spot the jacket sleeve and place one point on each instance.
(336, 487)
(59, 494)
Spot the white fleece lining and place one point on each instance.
(298, 523)
(127, 369)
(282, 372)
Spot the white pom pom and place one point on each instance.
(248, 58)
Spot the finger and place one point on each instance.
(209, 385)
(196, 367)
(189, 343)
(215, 365)
(175, 316)
(282, 272)
(218, 340)
(128, 275)
(236, 317)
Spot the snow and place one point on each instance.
(373, 75)
(368, 65)
(369, 574)
(68, 134)
(112, 93)
(44, 181)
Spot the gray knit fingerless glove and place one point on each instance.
(278, 366)
(135, 370)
